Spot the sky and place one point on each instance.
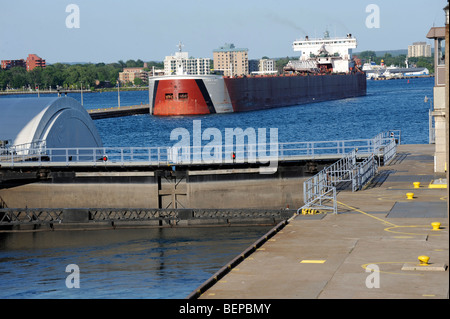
(114, 30)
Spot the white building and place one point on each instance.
(418, 49)
(195, 66)
(266, 65)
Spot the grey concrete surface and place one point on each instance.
(333, 257)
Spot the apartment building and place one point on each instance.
(8, 64)
(418, 49)
(231, 60)
(195, 66)
(30, 63)
(33, 61)
(128, 75)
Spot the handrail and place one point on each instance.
(317, 189)
(382, 144)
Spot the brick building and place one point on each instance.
(128, 75)
(34, 61)
(30, 63)
(8, 64)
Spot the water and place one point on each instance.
(171, 263)
(388, 105)
(166, 263)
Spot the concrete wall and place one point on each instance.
(240, 189)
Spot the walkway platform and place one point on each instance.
(369, 250)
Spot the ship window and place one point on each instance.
(169, 96)
(182, 96)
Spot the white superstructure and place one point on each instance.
(334, 52)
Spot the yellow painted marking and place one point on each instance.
(390, 229)
(261, 249)
(428, 295)
(211, 294)
(223, 281)
(364, 213)
(272, 240)
(311, 261)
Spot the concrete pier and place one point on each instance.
(369, 250)
(118, 111)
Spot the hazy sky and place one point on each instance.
(149, 30)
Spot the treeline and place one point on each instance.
(399, 60)
(67, 76)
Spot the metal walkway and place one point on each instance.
(38, 155)
(319, 191)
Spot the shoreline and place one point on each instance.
(74, 91)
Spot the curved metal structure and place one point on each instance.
(54, 122)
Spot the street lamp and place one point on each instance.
(118, 92)
(81, 82)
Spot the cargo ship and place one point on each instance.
(324, 71)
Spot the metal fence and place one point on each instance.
(37, 154)
(319, 191)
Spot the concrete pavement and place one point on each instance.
(331, 256)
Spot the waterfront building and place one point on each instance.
(194, 66)
(128, 75)
(30, 63)
(231, 60)
(419, 49)
(34, 61)
(8, 64)
(266, 65)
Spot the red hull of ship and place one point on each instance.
(185, 96)
(179, 97)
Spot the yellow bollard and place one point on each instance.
(416, 184)
(436, 225)
(410, 195)
(424, 260)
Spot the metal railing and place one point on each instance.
(38, 154)
(319, 191)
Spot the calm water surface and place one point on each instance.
(166, 263)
